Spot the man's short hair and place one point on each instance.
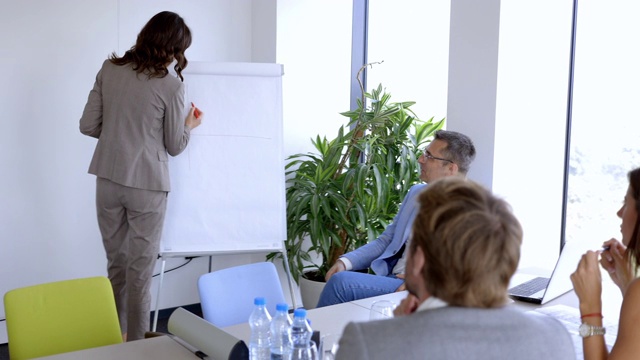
(471, 243)
(460, 148)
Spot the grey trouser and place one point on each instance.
(131, 223)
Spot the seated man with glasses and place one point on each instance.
(449, 154)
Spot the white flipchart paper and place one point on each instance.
(227, 187)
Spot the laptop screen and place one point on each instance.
(560, 282)
(540, 290)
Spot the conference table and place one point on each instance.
(331, 320)
(156, 348)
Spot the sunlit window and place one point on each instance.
(531, 114)
(314, 45)
(411, 38)
(605, 141)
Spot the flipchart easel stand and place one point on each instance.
(163, 256)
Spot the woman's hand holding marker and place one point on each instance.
(196, 111)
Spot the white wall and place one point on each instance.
(50, 55)
(473, 67)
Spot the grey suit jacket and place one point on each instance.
(137, 121)
(455, 333)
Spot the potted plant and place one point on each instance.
(350, 190)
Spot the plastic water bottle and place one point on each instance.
(302, 346)
(280, 341)
(259, 321)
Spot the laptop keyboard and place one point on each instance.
(530, 287)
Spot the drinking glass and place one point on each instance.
(307, 353)
(330, 346)
(382, 309)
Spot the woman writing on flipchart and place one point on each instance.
(620, 259)
(136, 111)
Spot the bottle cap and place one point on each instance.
(300, 313)
(259, 301)
(282, 307)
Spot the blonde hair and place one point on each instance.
(471, 243)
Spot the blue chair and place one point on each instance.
(226, 295)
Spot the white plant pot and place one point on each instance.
(310, 292)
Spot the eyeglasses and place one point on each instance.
(428, 155)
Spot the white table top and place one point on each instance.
(395, 297)
(157, 348)
(330, 321)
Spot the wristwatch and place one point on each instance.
(586, 330)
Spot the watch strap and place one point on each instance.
(587, 330)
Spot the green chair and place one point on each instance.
(61, 316)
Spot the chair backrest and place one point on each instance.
(226, 295)
(62, 316)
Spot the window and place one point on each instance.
(314, 45)
(531, 113)
(531, 119)
(411, 37)
(605, 127)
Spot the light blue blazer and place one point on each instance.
(381, 254)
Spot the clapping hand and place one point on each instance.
(617, 264)
(587, 283)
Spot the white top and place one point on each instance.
(402, 262)
(432, 302)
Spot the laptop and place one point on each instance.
(540, 290)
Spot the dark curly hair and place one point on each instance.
(164, 38)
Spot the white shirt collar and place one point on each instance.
(432, 302)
